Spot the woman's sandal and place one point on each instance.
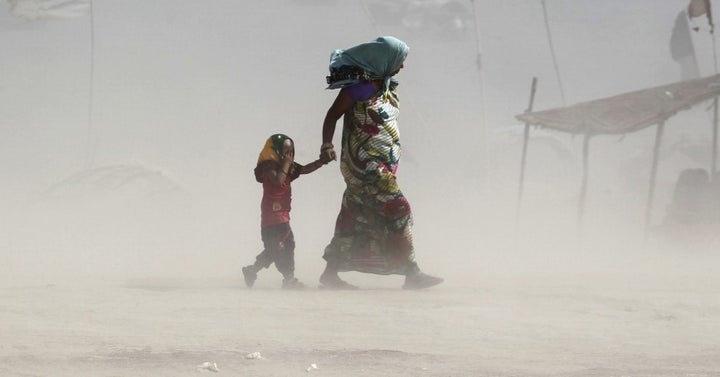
(421, 281)
(335, 283)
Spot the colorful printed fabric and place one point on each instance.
(276, 201)
(373, 232)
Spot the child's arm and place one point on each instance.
(311, 167)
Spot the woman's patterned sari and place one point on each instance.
(373, 232)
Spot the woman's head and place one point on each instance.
(380, 59)
(397, 70)
(392, 52)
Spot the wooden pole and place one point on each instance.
(483, 106)
(653, 175)
(713, 164)
(523, 157)
(584, 182)
(552, 52)
(91, 136)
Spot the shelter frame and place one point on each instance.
(620, 114)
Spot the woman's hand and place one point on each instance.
(327, 153)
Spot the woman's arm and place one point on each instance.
(343, 103)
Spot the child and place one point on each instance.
(275, 170)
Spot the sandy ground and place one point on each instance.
(597, 326)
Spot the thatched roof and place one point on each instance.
(626, 112)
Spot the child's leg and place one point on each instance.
(285, 262)
(285, 254)
(272, 237)
(262, 260)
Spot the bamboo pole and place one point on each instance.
(91, 134)
(552, 52)
(584, 181)
(713, 163)
(483, 105)
(523, 157)
(653, 174)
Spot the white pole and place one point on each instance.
(552, 52)
(91, 142)
(483, 106)
(653, 175)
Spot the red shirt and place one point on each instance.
(275, 204)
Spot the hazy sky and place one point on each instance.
(174, 79)
(178, 77)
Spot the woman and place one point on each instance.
(373, 230)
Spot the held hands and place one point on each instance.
(327, 153)
(324, 158)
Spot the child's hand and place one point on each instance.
(288, 155)
(325, 158)
(327, 152)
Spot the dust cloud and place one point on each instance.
(128, 145)
(152, 176)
